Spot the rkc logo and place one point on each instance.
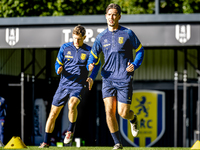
(149, 107)
(12, 36)
(183, 33)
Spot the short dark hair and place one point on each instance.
(79, 30)
(114, 6)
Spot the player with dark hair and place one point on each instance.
(71, 65)
(117, 44)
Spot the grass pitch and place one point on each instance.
(102, 148)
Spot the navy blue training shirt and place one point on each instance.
(74, 62)
(117, 47)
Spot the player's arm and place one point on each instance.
(94, 59)
(94, 63)
(139, 57)
(95, 70)
(93, 75)
(138, 49)
(59, 61)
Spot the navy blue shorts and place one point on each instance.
(122, 91)
(63, 94)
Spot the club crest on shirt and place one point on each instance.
(83, 56)
(120, 40)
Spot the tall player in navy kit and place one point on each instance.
(71, 65)
(117, 44)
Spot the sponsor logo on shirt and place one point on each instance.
(68, 55)
(106, 45)
(105, 41)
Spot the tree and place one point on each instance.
(166, 6)
(136, 6)
(24, 8)
(180, 6)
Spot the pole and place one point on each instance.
(22, 106)
(198, 101)
(175, 98)
(184, 98)
(33, 92)
(198, 109)
(184, 106)
(175, 107)
(157, 6)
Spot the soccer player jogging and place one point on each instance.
(71, 65)
(117, 44)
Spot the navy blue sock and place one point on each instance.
(71, 126)
(116, 137)
(135, 118)
(47, 138)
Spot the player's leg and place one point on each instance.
(125, 112)
(110, 102)
(110, 108)
(50, 124)
(124, 97)
(72, 115)
(73, 112)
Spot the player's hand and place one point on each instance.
(60, 69)
(91, 67)
(130, 67)
(90, 82)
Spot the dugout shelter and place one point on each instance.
(29, 45)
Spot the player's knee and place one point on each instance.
(123, 114)
(72, 105)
